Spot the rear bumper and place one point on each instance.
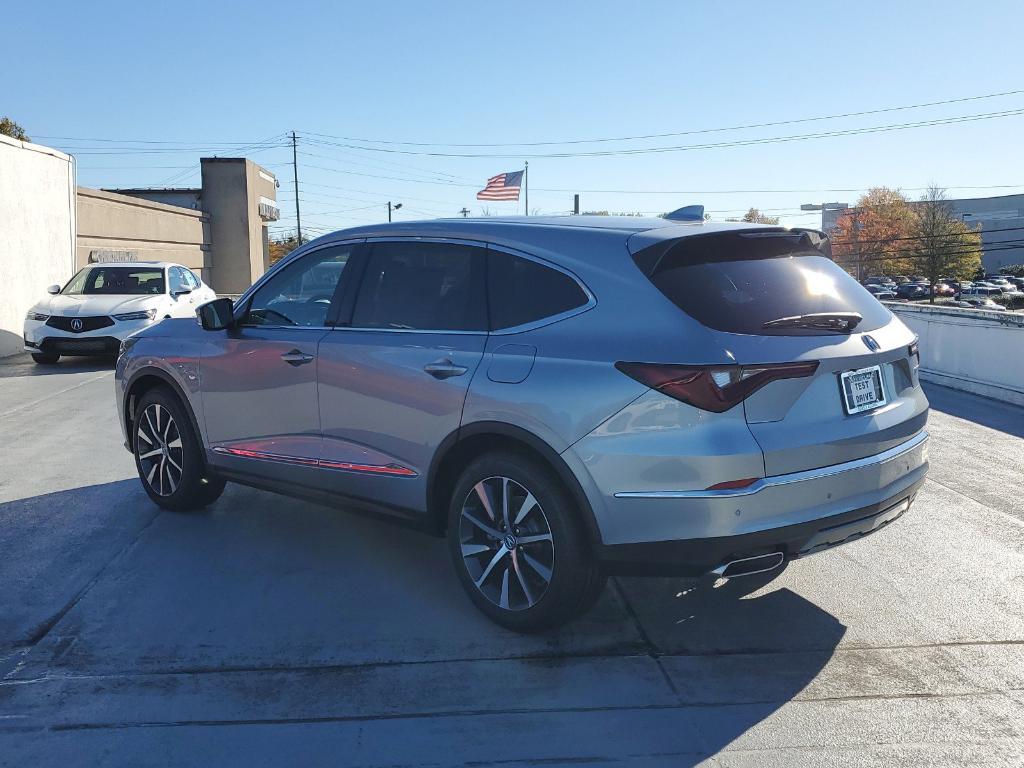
(696, 557)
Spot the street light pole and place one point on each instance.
(391, 206)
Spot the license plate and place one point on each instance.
(862, 389)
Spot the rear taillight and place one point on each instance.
(715, 388)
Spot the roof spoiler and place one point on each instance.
(687, 213)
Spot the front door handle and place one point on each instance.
(444, 369)
(296, 358)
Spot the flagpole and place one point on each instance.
(526, 184)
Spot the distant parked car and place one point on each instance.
(882, 294)
(978, 289)
(957, 285)
(1018, 281)
(980, 302)
(105, 303)
(942, 289)
(911, 291)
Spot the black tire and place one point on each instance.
(514, 591)
(161, 446)
(45, 358)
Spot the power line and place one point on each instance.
(925, 237)
(694, 147)
(681, 133)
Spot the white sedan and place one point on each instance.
(104, 303)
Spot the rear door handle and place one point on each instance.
(444, 369)
(296, 358)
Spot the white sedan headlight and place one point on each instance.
(33, 315)
(143, 314)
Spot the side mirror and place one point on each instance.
(53, 289)
(216, 315)
(181, 292)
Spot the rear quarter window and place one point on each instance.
(738, 282)
(522, 291)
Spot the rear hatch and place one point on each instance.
(775, 297)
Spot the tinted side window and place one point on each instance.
(522, 291)
(301, 293)
(423, 286)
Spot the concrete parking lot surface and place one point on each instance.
(269, 632)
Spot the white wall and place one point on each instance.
(974, 350)
(37, 230)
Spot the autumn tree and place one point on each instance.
(869, 238)
(940, 244)
(754, 216)
(10, 128)
(280, 247)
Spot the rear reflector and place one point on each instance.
(715, 388)
(729, 485)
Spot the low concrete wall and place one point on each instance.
(119, 226)
(974, 350)
(37, 230)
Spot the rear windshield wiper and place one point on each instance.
(831, 321)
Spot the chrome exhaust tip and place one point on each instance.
(748, 566)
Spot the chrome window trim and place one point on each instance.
(779, 480)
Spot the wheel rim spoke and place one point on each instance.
(522, 580)
(175, 443)
(503, 600)
(472, 550)
(542, 570)
(506, 543)
(534, 538)
(150, 454)
(485, 499)
(492, 532)
(524, 509)
(490, 566)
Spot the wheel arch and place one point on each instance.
(469, 441)
(147, 379)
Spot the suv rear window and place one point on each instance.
(737, 282)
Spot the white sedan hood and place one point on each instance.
(97, 304)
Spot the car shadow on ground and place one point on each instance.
(258, 584)
(985, 411)
(23, 365)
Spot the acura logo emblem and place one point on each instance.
(870, 343)
(76, 324)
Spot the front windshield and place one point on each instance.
(132, 281)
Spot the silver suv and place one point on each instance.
(563, 398)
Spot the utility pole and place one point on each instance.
(576, 205)
(295, 173)
(464, 211)
(391, 206)
(856, 245)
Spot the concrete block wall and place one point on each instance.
(976, 351)
(37, 230)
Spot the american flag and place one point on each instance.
(504, 186)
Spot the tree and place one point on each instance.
(281, 246)
(10, 128)
(754, 216)
(941, 245)
(869, 238)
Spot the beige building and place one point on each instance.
(219, 229)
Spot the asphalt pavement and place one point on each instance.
(269, 632)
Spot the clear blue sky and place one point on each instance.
(213, 75)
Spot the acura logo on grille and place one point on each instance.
(76, 324)
(870, 343)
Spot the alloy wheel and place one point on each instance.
(506, 541)
(158, 446)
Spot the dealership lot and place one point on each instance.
(268, 631)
